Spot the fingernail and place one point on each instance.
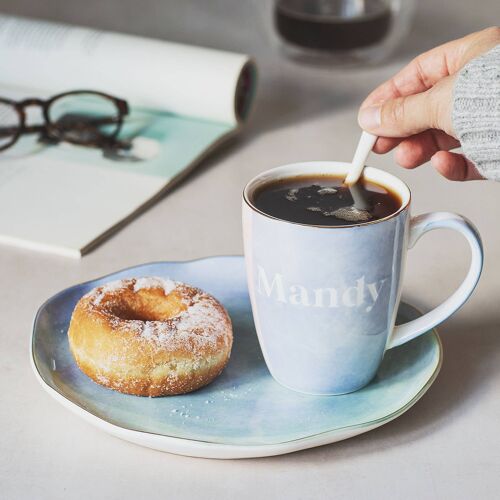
(369, 118)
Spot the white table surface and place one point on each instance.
(447, 446)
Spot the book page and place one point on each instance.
(181, 79)
(62, 207)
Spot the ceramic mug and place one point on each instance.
(325, 298)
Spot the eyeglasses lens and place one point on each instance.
(83, 118)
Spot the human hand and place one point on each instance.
(412, 111)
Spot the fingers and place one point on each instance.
(386, 144)
(420, 148)
(400, 117)
(417, 149)
(402, 110)
(455, 167)
(418, 76)
(430, 67)
(435, 140)
(431, 145)
(410, 115)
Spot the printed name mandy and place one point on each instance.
(360, 294)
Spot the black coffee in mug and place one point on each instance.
(323, 200)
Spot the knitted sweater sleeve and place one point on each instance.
(476, 112)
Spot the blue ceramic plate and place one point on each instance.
(244, 412)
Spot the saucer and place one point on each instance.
(244, 412)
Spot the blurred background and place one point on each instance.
(288, 90)
(303, 111)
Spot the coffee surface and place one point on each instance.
(324, 200)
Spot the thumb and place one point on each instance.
(409, 115)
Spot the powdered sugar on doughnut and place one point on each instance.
(154, 282)
(98, 294)
(200, 326)
(137, 284)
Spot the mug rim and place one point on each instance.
(339, 165)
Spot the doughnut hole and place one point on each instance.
(148, 304)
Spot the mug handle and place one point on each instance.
(418, 226)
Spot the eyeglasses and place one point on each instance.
(83, 117)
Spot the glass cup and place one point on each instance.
(340, 31)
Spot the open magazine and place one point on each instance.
(183, 102)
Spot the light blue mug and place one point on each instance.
(324, 299)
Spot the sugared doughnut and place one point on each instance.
(150, 336)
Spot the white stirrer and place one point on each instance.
(365, 145)
(358, 197)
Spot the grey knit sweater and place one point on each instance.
(476, 112)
